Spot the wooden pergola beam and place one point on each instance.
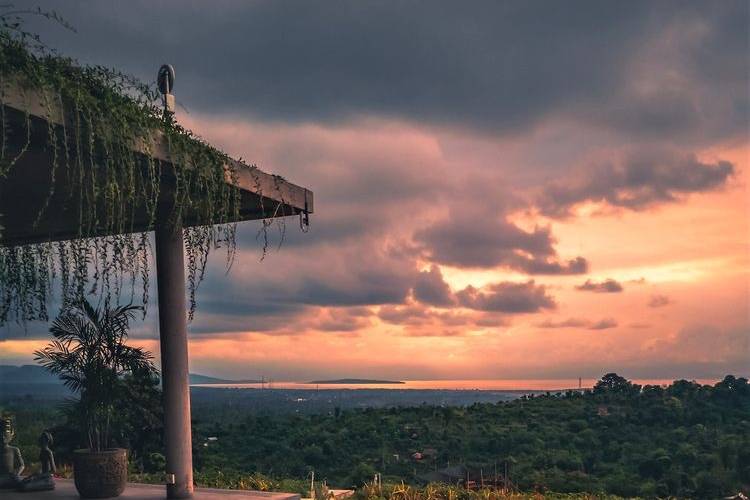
(26, 188)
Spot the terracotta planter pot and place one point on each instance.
(100, 474)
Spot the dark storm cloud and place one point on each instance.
(435, 333)
(639, 326)
(336, 283)
(378, 283)
(404, 315)
(602, 324)
(659, 301)
(32, 330)
(498, 66)
(481, 240)
(698, 350)
(607, 286)
(640, 181)
(468, 239)
(367, 287)
(579, 265)
(567, 323)
(208, 322)
(507, 297)
(503, 297)
(432, 289)
(490, 320)
(419, 314)
(342, 320)
(331, 226)
(230, 305)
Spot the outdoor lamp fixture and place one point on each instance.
(165, 81)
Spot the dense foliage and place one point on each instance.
(684, 440)
(137, 426)
(90, 355)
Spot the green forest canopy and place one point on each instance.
(684, 440)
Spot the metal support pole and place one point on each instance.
(170, 273)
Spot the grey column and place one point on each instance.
(170, 275)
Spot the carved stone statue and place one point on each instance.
(11, 462)
(44, 480)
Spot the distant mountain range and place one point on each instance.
(26, 374)
(35, 374)
(355, 381)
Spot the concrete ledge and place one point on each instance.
(66, 490)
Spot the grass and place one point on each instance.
(369, 491)
(449, 492)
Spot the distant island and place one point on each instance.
(196, 378)
(355, 381)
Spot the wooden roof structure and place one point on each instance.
(26, 188)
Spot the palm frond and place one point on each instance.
(90, 355)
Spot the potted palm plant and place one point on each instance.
(90, 355)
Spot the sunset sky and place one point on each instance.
(502, 190)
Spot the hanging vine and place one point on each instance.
(103, 128)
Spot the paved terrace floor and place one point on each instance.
(66, 490)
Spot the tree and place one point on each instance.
(361, 473)
(612, 383)
(90, 355)
(139, 425)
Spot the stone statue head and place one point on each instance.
(7, 431)
(45, 440)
